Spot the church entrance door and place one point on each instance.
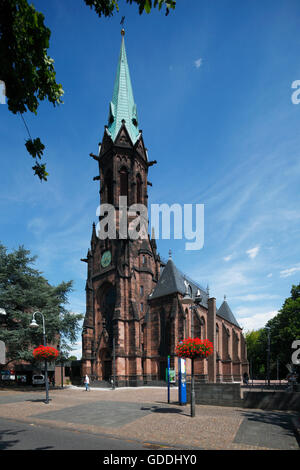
(107, 370)
(162, 369)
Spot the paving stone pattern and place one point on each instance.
(102, 413)
(143, 415)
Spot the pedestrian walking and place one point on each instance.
(245, 378)
(87, 383)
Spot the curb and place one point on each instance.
(78, 387)
(296, 424)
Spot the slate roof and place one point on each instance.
(225, 312)
(172, 280)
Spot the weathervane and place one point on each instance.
(122, 23)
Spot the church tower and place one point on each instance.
(121, 272)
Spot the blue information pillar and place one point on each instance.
(181, 381)
(168, 379)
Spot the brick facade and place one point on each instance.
(125, 302)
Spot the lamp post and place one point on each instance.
(2, 344)
(193, 308)
(268, 354)
(61, 367)
(114, 364)
(34, 324)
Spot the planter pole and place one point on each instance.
(193, 392)
(187, 299)
(34, 324)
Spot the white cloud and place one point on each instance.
(227, 258)
(36, 225)
(252, 253)
(256, 321)
(198, 63)
(77, 351)
(255, 297)
(270, 275)
(289, 272)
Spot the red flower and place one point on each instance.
(194, 347)
(44, 353)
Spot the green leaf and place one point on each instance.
(35, 147)
(147, 6)
(40, 171)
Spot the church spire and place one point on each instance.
(122, 105)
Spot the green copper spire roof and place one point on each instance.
(122, 105)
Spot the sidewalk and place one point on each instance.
(143, 414)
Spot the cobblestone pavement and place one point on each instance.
(143, 414)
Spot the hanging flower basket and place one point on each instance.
(193, 348)
(45, 353)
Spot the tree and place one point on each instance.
(72, 358)
(285, 327)
(108, 7)
(23, 290)
(256, 352)
(26, 69)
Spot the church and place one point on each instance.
(138, 306)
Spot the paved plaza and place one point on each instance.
(143, 415)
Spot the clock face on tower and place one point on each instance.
(106, 259)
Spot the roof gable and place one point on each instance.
(225, 312)
(172, 281)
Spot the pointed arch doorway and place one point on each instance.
(106, 364)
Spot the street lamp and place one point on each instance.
(187, 299)
(114, 364)
(268, 353)
(34, 324)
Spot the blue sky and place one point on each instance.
(212, 84)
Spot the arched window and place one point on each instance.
(181, 320)
(109, 188)
(165, 335)
(204, 333)
(225, 342)
(139, 189)
(106, 298)
(123, 182)
(197, 327)
(186, 325)
(235, 345)
(217, 339)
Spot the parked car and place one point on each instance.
(38, 379)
